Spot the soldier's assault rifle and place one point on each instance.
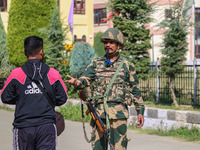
(100, 124)
(92, 111)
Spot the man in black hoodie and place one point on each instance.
(34, 122)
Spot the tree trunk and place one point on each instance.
(172, 91)
(148, 88)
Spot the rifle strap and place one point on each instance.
(85, 134)
(83, 122)
(106, 93)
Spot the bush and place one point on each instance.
(82, 56)
(5, 66)
(55, 50)
(25, 18)
(134, 15)
(98, 45)
(73, 113)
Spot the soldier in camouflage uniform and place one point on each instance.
(125, 91)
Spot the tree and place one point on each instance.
(175, 45)
(25, 18)
(132, 19)
(2, 41)
(98, 45)
(55, 37)
(82, 56)
(5, 66)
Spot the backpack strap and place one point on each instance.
(44, 93)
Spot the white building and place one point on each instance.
(162, 10)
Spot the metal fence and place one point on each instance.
(156, 88)
(186, 86)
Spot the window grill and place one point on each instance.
(99, 15)
(79, 6)
(3, 5)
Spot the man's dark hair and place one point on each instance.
(32, 45)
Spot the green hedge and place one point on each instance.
(25, 18)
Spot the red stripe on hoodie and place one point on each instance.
(54, 76)
(17, 74)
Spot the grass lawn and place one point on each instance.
(167, 106)
(183, 133)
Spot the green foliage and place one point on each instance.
(2, 40)
(174, 42)
(5, 66)
(73, 113)
(134, 15)
(55, 53)
(175, 45)
(55, 37)
(71, 90)
(6, 108)
(98, 45)
(25, 18)
(82, 56)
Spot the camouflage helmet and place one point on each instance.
(114, 35)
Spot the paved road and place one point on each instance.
(73, 138)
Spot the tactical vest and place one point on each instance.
(120, 88)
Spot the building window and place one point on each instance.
(79, 6)
(84, 38)
(79, 40)
(197, 20)
(197, 32)
(99, 15)
(197, 51)
(3, 5)
(168, 13)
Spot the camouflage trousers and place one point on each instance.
(118, 136)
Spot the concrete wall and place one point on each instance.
(161, 118)
(4, 15)
(197, 3)
(166, 119)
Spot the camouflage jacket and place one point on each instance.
(125, 89)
